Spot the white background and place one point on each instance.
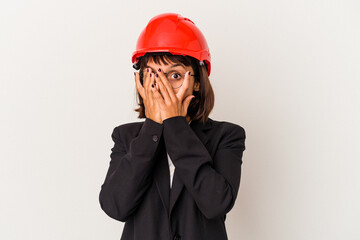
(286, 71)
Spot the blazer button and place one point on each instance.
(155, 138)
(177, 237)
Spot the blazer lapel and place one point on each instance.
(162, 176)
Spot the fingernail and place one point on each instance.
(152, 85)
(155, 84)
(189, 73)
(147, 70)
(150, 74)
(156, 75)
(159, 70)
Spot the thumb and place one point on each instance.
(186, 103)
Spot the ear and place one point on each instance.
(196, 86)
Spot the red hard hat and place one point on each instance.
(170, 32)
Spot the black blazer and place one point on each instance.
(207, 159)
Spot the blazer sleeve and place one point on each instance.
(129, 173)
(213, 183)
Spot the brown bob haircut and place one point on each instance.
(203, 103)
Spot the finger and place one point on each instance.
(180, 94)
(139, 87)
(156, 85)
(186, 103)
(151, 80)
(147, 84)
(157, 96)
(162, 89)
(147, 78)
(169, 90)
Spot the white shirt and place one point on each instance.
(171, 167)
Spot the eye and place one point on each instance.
(176, 76)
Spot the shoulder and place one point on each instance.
(127, 129)
(228, 135)
(130, 125)
(227, 127)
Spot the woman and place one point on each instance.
(175, 175)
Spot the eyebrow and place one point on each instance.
(173, 66)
